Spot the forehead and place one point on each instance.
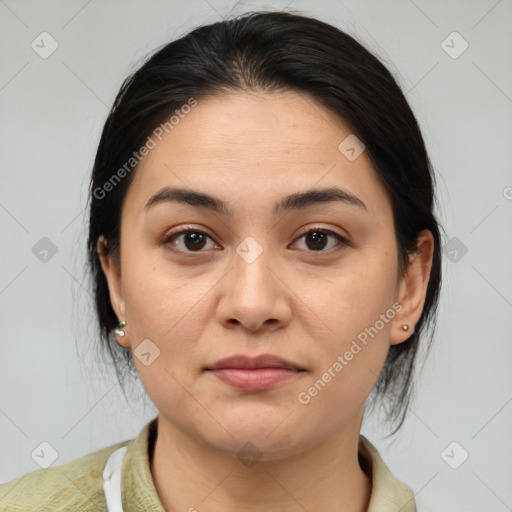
(256, 147)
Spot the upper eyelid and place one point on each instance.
(321, 228)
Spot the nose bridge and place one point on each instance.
(253, 295)
(251, 267)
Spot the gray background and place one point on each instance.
(52, 111)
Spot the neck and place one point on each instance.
(194, 477)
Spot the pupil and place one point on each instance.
(196, 239)
(318, 237)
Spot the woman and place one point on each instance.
(265, 254)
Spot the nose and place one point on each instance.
(254, 294)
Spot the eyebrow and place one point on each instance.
(296, 201)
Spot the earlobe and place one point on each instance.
(112, 274)
(413, 289)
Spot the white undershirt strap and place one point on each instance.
(112, 480)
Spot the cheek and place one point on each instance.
(165, 310)
(356, 314)
(348, 364)
(154, 296)
(357, 297)
(166, 304)
(169, 310)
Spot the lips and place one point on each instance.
(254, 373)
(245, 362)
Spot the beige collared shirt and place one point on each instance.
(78, 485)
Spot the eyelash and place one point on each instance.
(342, 241)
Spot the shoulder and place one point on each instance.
(75, 485)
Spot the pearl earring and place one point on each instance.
(118, 331)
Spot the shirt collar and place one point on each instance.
(138, 489)
(388, 493)
(139, 493)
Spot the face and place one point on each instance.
(312, 282)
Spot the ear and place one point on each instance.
(413, 288)
(112, 272)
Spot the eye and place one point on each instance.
(317, 239)
(192, 239)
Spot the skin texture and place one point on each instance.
(301, 304)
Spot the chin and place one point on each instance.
(248, 448)
(265, 436)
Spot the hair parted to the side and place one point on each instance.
(272, 52)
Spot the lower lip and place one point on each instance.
(255, 379)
